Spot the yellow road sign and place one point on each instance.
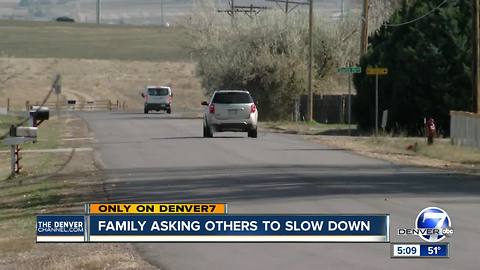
(377, 71)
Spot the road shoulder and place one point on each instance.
(60, 182)
(411, 151)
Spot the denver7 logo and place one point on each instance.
(433, 218)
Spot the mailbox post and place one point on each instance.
(38, 115)
(21, 135)
(13, 142)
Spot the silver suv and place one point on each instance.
(230, 110)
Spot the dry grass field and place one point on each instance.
(87, 80)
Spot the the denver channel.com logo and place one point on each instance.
(432, 225)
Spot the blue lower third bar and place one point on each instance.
(434, 250)
(239, 228)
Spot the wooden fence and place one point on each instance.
(465, 128)
(78, 105)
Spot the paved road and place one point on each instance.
(163, 158)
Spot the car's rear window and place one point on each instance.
(232, 97)
(158, 91)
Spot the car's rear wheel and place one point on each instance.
(252, 133)
(207, 132)
(169, 111)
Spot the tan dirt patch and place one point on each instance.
(87, 80)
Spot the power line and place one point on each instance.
(290, 5)
(364, 34)
(419, 18)
(247, 10)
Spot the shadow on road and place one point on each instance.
(178, 138)
(310, 149)
(122, 116)
(152, 117)
(198, 137)
(242, 183)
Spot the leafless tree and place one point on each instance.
(269, 53)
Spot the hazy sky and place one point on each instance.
(137, 11)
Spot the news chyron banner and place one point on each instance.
(205, 223)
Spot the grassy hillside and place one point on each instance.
(90, 41)
(96, 62)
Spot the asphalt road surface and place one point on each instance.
(163, 158)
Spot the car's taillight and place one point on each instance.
(146, 98)
(170, 100)
(253, 108)
(212, 108)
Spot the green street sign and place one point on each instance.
(343, 70)
(356, 69)
(347, 70)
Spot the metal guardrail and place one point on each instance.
(465, 128)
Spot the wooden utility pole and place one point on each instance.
(98, 11)
(310, 61)
(342, 9)
(232, 11)
(476, 56)
(364, 39)
(161, 13)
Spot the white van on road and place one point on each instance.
(157, 98)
